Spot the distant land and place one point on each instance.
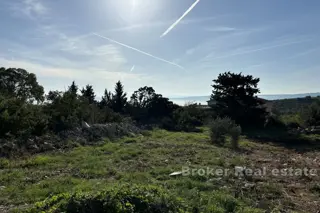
(204, 99)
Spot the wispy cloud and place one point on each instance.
(220, 29)
(82, 75)
(304, 53)
(79, 45)
(229, 40)
(29, 8)
(162, 23)
(177, 22)
(61, 53)
(243, 51)
(139, 51)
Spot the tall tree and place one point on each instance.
(119, 99)
(88, 93)
(160, 107)
(142, 97)
(235, 96)
(73, 88)
(20, 84)
(106, 100)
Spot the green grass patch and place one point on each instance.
(80, 176)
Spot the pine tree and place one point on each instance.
(106, 100)
(235, 97)
(119, 99)
(73, 89)
(88, 93)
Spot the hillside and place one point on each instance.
(205, 98)
(293, 105)
(149, 159)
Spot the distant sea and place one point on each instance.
(203, 99)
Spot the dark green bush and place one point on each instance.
(222, 127)
(312, 114)
(274, 122)
(117, 200)
(19, 118)
(188, 118)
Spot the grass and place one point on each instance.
(149, 159)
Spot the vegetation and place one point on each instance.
(235, 97)
(80, 154)
(145, 161)
(222, 127)
(121, 199)
(294, 105)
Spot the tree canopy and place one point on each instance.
(119, 98)
(20, 84)
(142, 97)
(235, 97)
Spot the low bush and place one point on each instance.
(274, 122)
(222, 127)
(119, 199)
(312, 114)
(19, 118)
(292, 120)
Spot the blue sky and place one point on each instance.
(277, 41)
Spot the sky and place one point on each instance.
(148, 43)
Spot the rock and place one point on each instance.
(2, 188)
(263, 160)
(215, 179)
(249, 185)
(85, 124)
(33, 147)
(175, 173)
(27, 179)
(47, 146)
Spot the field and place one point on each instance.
(148, 159)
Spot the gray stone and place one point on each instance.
(175, 173)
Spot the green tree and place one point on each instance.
(142, 97)
(20, 84)
(106, 100)
(18, 115)
(160, 107)
(235, 97)
(64, 109)
(88, 94)
(73, 89)
(119, 99)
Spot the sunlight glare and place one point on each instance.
(135, 10)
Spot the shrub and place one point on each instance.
(4, 163)
(235, 133)
(185, 118)
(312, 114)
(120, 199)
(292, 120)
(274, 122)
(222, 127)
(20, 118)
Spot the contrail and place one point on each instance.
(132, 68)
(177, 22)
(139, 51)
